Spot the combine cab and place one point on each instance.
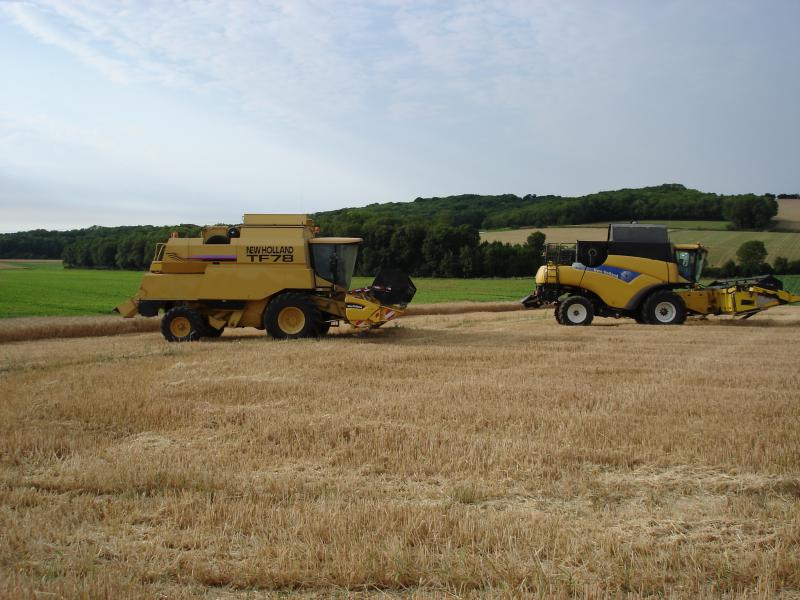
(270, 272)
(638, 273)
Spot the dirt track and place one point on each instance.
(40, 328)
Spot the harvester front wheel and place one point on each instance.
(575, 310)
(182, 324)
(665, 308)
(291, 316)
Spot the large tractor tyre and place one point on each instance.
(664, 308)
(291, 316)
(324, 328)
(182, 324)
(575, 310)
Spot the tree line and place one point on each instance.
(663, 202)
(445, 251)
(128, 248)
(431, 237)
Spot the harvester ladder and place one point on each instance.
(552, 270)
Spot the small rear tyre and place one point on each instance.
(290, 316)
(557, 313)
(665, 308)
(182, 324)
(575, 310)
(210, 331)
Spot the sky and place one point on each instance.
(161, 112)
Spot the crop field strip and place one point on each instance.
(476, 455)
(722, 245)
(48, 290)
(788, 214)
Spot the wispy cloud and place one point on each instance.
(290, 57)
(355, 101)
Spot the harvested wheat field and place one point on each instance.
(468, 455)
(788, 216)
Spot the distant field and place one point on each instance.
(712, 225)
(554, 234)
(590, 231)
(45, 289)
(722, 245)
(788, 215)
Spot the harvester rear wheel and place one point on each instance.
(182, 324)
(576, 310)
(664, 308)
(291, 316)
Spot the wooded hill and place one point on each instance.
(426, 237)
(664, 202)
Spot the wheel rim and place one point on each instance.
(291, 320)
(577, 313)
(180, 327)
(665, 312)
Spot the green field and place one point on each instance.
(46, 289)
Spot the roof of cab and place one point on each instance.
(335, 240)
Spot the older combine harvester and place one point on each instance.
(270, 272)
(639, 273)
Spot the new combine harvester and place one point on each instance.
(270, 272)
(638, 273)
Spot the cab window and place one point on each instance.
(335, 262)
(686, 263)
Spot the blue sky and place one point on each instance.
(138, 112)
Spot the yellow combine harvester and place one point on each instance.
(637, 272)
(270, 272)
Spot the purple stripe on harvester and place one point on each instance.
(214, 257)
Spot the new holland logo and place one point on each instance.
(625, 275)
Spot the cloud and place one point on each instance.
(339, 103)
(291, 58)
(41, 24)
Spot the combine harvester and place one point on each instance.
(639, 273)
(270, 272)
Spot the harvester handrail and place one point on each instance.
(159, 253)
(559, 252)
